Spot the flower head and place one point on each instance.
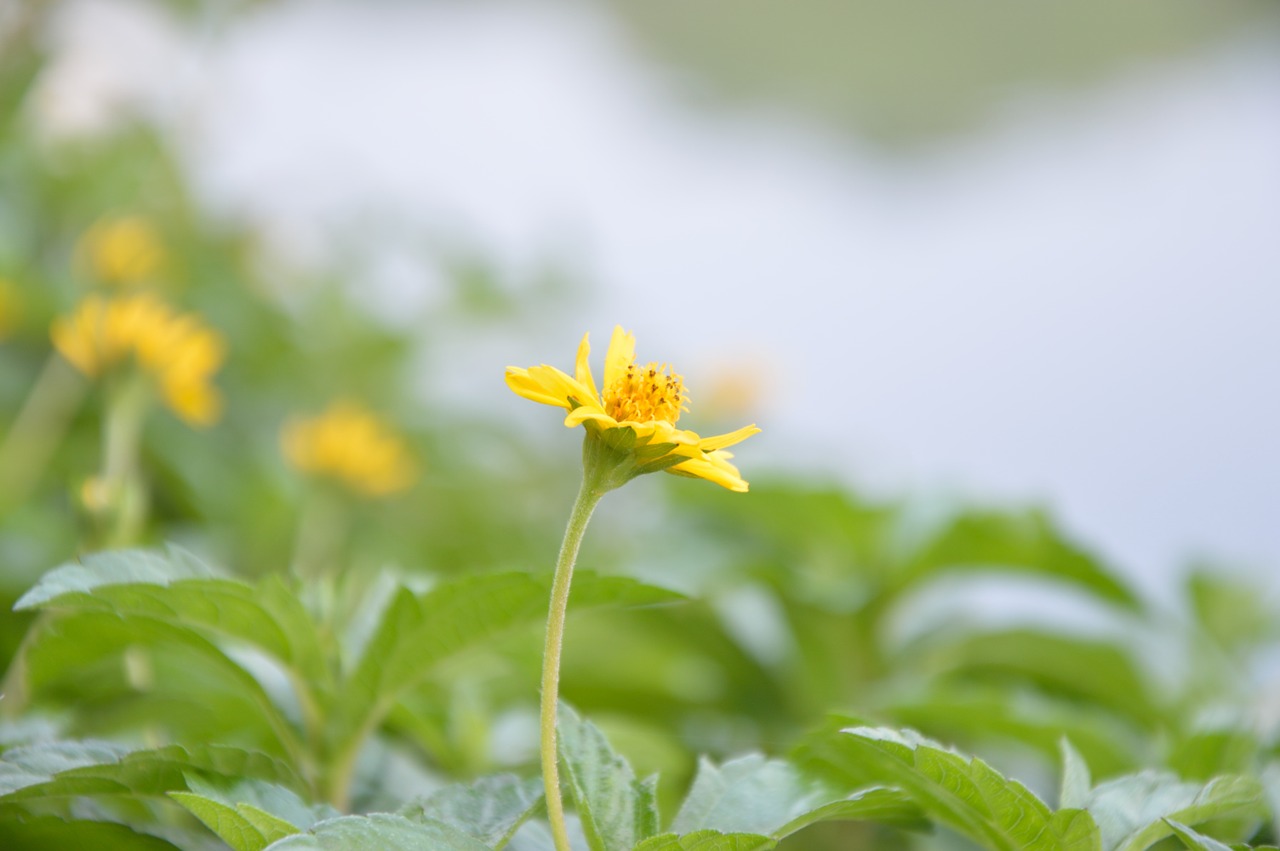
(350, 444)
(177, 350)
(635, 416)
(124, 250)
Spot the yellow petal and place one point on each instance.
(556, 383)
(714, 468)
(578, 416)
(582, 370)
(621, 354)
(522, 384)
(720, 441)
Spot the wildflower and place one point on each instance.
(125, 250)
(350, 444)
(176, 350)
(631, 430)
(635, 416)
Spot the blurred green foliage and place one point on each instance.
(328, 656)
(903, 72)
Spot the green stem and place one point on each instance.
(122, 442)
(593, 488)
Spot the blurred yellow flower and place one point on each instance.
(636, 413)
(177, 350)
(95, 494)
(351, 444)
(125, 250)
(10, 308)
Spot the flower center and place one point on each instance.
(646, 394)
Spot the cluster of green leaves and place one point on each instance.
(153, 687)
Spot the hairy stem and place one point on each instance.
(588, 497)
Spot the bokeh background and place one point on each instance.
(995, 250)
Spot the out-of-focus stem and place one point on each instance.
(38, 429)
(122, 444)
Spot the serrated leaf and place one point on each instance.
(880, 804)
(47, 832)
(954, 789)
(1025, 542)
(1074, 830)
(248, 814)
(1130, 810)
(229, 825)
(379, 832)
(30, 765)
(613, 805)
(1076, 779)
(707, 840)
(420, 631)
(115, 567)
(169, 589)
(491, 809)
(72, 769)
(1193, 840)
(753, 794)
(271, 827)
(279, 802)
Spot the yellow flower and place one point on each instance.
(352, 445)
(125, 250)
(177, 350)
(636, 414)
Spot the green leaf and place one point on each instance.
(63, 653)
(1202, 754)
(419, 632)
(379, 832)
(174, 589)
(1073, 829)
(954, 789)
(1025, 542)
(707, 840)
(46, 833)
(1235, 612)
(1193, 840)
(30, 765)
(1076, 779)
(1130, 811)
(73, 769)
(272, 799)
(491, 809)
(230, 826)
(271, 827)
(1096, 672)
(1003, 712)
(756, 795)
(115, 567)
(615, 808)
(249, 814)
